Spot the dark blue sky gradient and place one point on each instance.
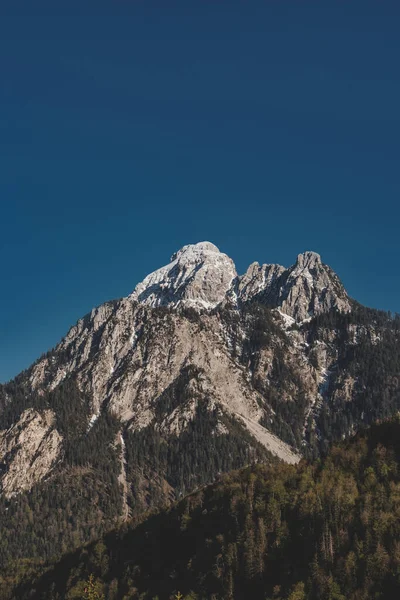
(131, 128)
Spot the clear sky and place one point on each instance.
(129, 128)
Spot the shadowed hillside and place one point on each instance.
(328, 531)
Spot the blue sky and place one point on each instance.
(130, 128)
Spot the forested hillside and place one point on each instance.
(323, 531)
(84, 496)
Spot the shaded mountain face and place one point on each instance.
(197, 372)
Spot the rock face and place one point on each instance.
(198, 275)
(30, 448)
(312, 288)
(306, 289)
(138, 353)
(126, 354)
(261, 283)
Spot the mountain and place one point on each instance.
(197, 372)
(284, 532)
(307, 289)
(198, 276)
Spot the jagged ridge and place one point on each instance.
(200, 276)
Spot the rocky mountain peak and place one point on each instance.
(310, 288)
(199, 276)
(306, 289)
(191, 251)
(308, 260)
(202, 277)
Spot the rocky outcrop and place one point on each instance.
(311, 288)
(198, 275)
(261, 282)
(202, 277)
(127, 358)
(28, 451)
(306, 289)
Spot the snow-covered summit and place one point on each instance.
(190, 251)
(199, 276)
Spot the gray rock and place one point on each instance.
(198, 276)
(124, 355)
(306, 289)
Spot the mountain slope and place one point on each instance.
(305, 532)
(197, 372)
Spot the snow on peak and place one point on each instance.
(199, 249)
(199, 275)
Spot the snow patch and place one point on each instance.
(287, 320)
(92, 421)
